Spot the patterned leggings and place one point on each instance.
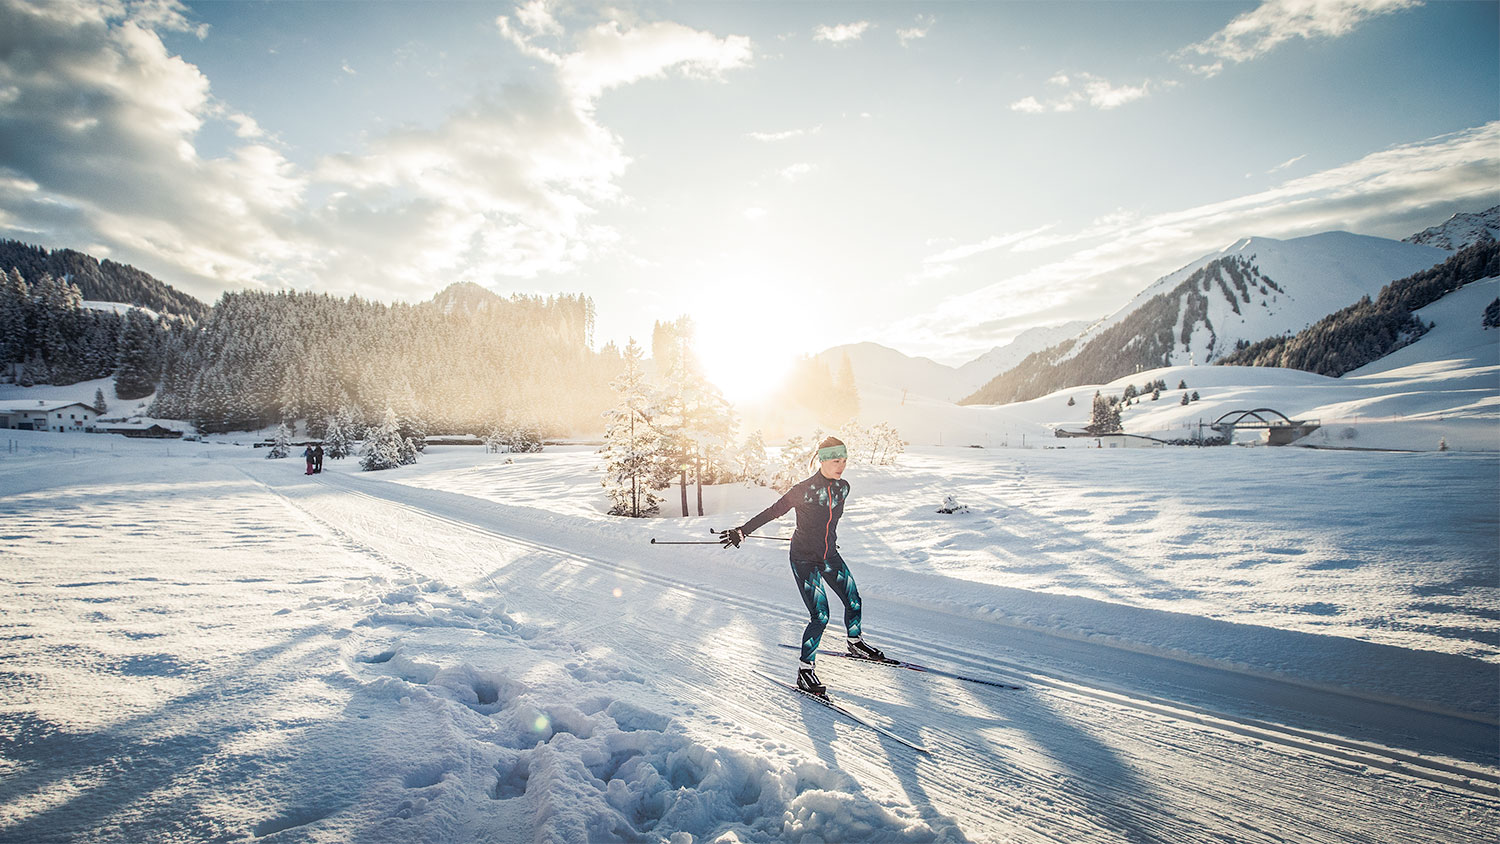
(810, 575)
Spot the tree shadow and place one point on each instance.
(128, 764)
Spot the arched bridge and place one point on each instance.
(1279, 429)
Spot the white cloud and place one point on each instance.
(1087, 89)
(959, 253)
(916, 31)
(1391, 193)
(773, 137)
(1029, 105)
(610, 55)
(1287, 164)
(507, 185)
(1266, 27)
(796, 171)
(842, 33)
(1248, 36)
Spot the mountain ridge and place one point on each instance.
(100, 281)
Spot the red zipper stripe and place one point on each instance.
(828, 527)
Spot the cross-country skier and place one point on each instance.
(819, 502)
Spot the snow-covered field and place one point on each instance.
(198, 644)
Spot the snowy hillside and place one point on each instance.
(1256, 288)
(997, 360)
(1461, 230)
(1286, 285)
(878, 368)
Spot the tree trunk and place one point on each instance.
(698, 470)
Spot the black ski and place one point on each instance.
(828, 702)
(911, 666)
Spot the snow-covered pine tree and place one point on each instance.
(99, 405)
(496, 439)
(140, 362)
(384, 446)
(282, 446)
(524, 439)
(337, 442)
(413, 427)
(1105, 417)
(634, 471)
(888, 444)
(795, 462)
(753, 462)
(15, 298)
(408, 451)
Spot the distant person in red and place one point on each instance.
(307, 454)
(819, 502)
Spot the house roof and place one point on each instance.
(46, 407)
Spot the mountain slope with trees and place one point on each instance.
(1256, 288)
(1371, 329)
(264, 357)
(99, 281)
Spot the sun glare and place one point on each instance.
(746, 362)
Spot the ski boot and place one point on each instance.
(807, 681)
(859, 649)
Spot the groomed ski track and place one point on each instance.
(1104, 743)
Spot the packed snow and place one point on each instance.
(200, 644)
(1244, 644)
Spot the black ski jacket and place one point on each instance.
(819, 502)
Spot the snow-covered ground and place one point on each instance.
(199, 644)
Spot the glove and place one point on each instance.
(731, 537)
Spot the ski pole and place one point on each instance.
(655, 541)
(772, 538)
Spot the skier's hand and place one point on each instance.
(733, 536)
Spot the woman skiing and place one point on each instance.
(819, 502)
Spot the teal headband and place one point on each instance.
(833, 452)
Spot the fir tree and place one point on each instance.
(752, 459)
(139, 361)
(283, 444)
(1105, 417)
(337, 442)
(384, 447)
(99, 405)
(15, 297)
(635, 471)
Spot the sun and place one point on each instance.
(747, 360)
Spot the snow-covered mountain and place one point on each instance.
(980, 370)
(1257, 287)
(877, 366)
(1461, 230)
(881, 366)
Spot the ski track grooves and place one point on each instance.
(1337, 751)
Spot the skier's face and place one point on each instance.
(833, 468)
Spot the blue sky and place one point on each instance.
(936, 177)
